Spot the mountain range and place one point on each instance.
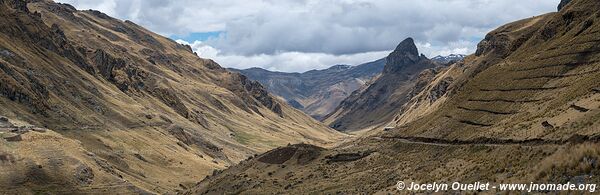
(95, 105)
(402, 78)
(316, 92)
(452, 58)
(319, 92)
(524, 108)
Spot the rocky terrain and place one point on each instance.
(402, 78)
(96, 105)
(92, 104)
(525, 107)
(316, 92)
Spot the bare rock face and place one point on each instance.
(105, 63)
(440, 89)
(406, 53)
(257, 91)
(400, 80)
(563, 3)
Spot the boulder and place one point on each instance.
(547, 125)
(13, 138)
(4, 122)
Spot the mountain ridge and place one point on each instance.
(375, 104)
(510, 113)
(322, 101)
(98, 105)
(316, 92)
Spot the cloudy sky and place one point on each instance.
(300, 35)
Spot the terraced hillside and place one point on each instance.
(528, 79)
(524, 108)
(92, 104)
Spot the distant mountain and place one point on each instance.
(525, 107)
(319, 92)
(449, 58)
(316, 92)
(403, 76)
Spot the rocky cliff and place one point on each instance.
(377, 103)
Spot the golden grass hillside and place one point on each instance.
(150, 108)
(525, 108)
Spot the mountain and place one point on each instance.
(452, 58)
(316, 92)
(403, 77)
(92, 104)
(524, 108)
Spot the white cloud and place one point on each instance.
(321, 31)
(283, 61)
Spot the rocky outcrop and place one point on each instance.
(23, 87)
(170, 98)
(105, 63)
(116, 70)
(256, 90)
(440, 89)
(401, 79)
(405, 54)
(563, 3)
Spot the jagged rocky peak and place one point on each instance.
(406, 53)
(407, 47)
(563, 3)
(16, 4)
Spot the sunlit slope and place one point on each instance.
(525, 108)
(148, 106)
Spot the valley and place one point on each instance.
(91, 104)
(132, 111)
(510, 113)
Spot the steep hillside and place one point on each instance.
(376, 104)
(524, 108)
(120, 109)
(316, 92)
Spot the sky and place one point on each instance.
(301, 35)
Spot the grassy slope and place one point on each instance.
(532, 71)
(183, 115)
